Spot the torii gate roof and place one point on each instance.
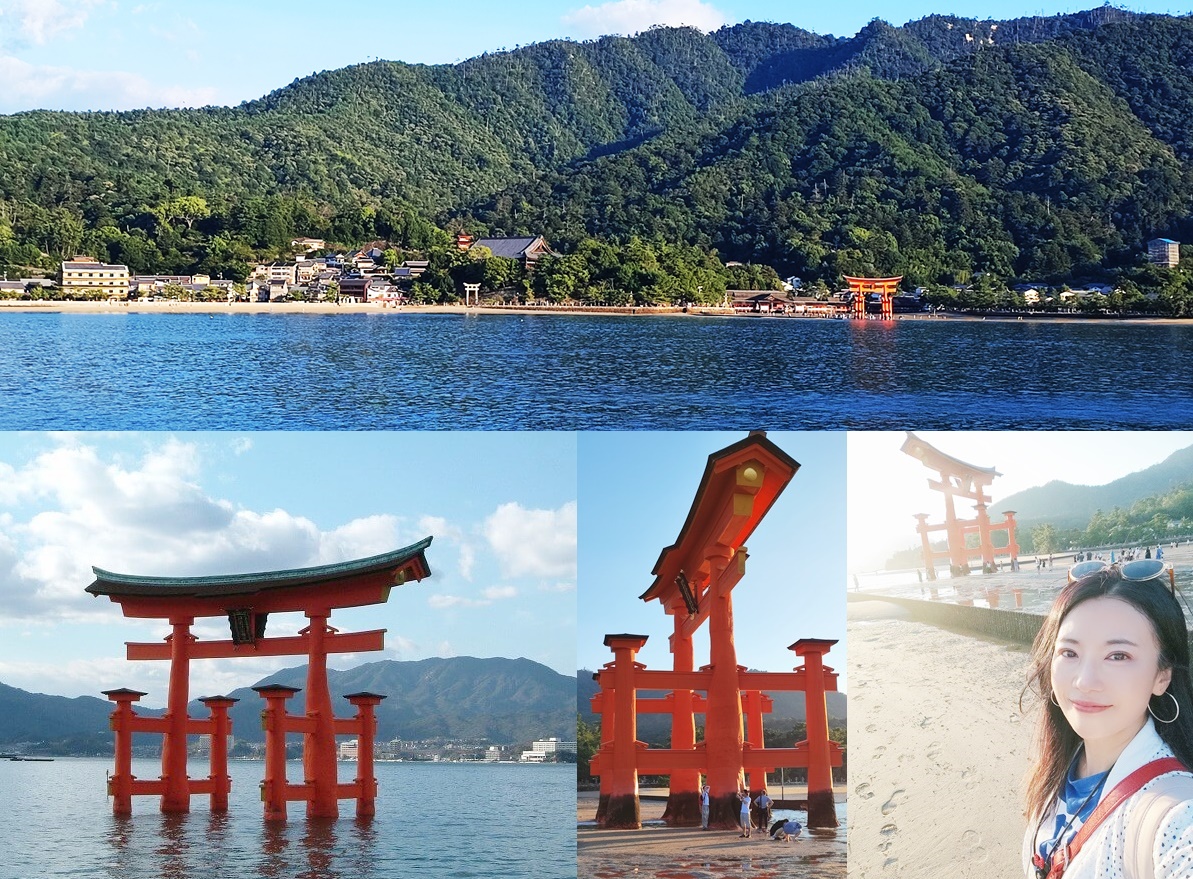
(343, 584)
(712, 518)
(935, 459)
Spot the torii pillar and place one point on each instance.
(683, 797)
(622, 809)
(822, 809)
(723, 732)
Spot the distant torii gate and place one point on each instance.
(967, 481)
(694, 579)
(247, 600)
(861, 288)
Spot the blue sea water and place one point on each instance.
(496, 821)
(571, 372)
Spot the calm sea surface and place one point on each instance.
(443, 820)
(387, 371)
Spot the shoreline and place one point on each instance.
(213, 308)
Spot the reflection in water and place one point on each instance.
(319, 845)
(55, 841)
(173, 849)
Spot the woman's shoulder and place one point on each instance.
(1163, 813)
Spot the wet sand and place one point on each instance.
(938, 750)
(692, 853)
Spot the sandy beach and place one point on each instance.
(171, 307)
(692, 853)
(938, 750)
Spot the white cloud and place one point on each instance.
(145, 516)
(29, 87)
(537, 543)
(634, 16)
(40, 21)
(495, 593)
(447, 533)
(440, 602)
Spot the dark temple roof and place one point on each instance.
(112, 584)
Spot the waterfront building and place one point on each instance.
(542, 751)
(84, 273)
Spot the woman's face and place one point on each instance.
(1105, 668)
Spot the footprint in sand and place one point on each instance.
(972, 840)
(889, 829)
(881, 749)
(890, 863)
(863, 790)
(872, 728)
(894, 802)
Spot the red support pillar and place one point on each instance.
(623, 809)
(273, 720)
(822, 810)
(604, 703)
(366, 781)
(683, 798)
(723, 734)
(319, 747)
(120, 784)
(1009, 523)
(221, 728)
(176, 796)
(926, 543)
(985, 544)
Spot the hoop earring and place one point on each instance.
(1052, 699)
(1170, 719)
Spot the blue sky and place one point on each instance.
(887, 488)
(635, 491)
(500, 506)
(122, 54)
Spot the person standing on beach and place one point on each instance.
(762, 811)
(704, 796)
(744, 796)
(1111, 795)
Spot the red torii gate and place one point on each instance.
(968, 481)
(247, 600)
(861, 288)
(694, 580)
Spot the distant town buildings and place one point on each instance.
(1164, 252)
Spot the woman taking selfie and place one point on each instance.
(1111, 795)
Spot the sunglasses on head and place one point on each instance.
(1136, 571)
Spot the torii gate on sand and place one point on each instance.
(694, 579)
(246, 600)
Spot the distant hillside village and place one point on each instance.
(377, 275)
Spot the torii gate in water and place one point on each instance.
(957, 479)
(246, 600)
(694, 579)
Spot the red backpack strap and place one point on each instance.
(1125, 788)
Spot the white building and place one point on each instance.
(542, 751)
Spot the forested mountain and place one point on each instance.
(1045, 148)
(508, 701)
(1065, 505)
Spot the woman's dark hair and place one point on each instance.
(1056, 742)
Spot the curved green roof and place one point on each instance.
(113, 584)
